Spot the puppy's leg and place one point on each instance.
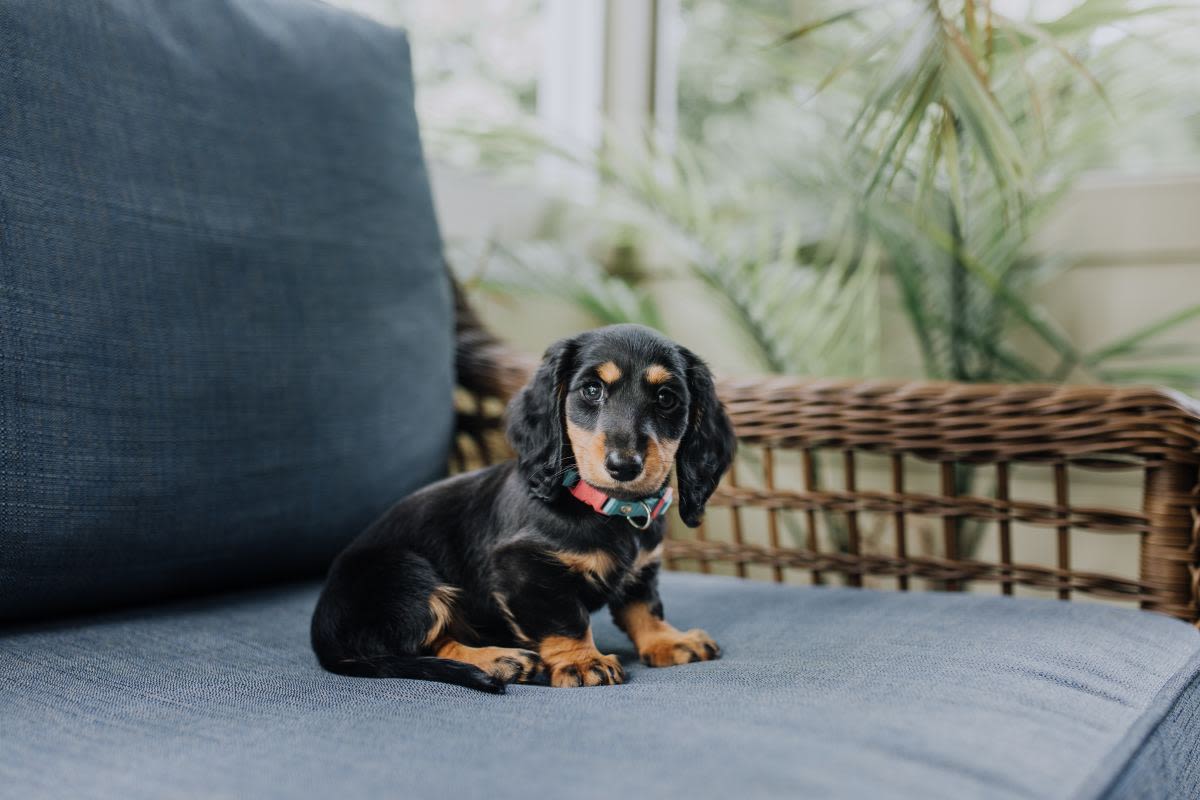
(573, 660)
(382, 612)
(639, 613)
(539, 598)
(509, 664)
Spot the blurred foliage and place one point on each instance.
(476, 63)
(970, 127)
(828, 163)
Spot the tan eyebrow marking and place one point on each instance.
(657, 373)
(609, 372)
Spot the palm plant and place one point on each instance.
(953, 193)
(956, 132)
(738, 235)
(968, 136)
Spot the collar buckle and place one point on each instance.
(650, 515)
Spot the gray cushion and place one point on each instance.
(225, 333)
(821, 693)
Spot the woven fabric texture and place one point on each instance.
(226, 338)
(832, 693)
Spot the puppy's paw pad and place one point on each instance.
(679, 647)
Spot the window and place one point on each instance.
(477, 64)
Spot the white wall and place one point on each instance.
(1138, 241)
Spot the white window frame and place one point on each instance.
(610, 68)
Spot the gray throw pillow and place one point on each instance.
(225, 330)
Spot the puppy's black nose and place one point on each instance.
(623, 466)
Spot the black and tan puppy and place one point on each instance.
(489, 577)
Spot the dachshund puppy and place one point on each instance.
(489, 577)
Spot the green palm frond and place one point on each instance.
(945, 135)
(548, 269)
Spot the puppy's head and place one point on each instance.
(622, 404)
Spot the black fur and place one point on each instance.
(503, 537)
(708, 445)
(535, 421)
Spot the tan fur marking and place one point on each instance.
(657, 373)
(639, 623)
(577, 662)
(595, 566)
(660, 457)
(609, 372)
(660, 644)
(506, 612)
(645, 558)
(441, 605)
(589, 447)
(564, 648)
(506, 663)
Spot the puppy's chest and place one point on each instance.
(610, 568)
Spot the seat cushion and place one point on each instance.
(821, 693)
(225, 330)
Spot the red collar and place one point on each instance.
(646, 508)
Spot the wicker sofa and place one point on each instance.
(228, 342)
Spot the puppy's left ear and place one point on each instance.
(708, 445)
(535, 421)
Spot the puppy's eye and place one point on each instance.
(591, 391)
(667, 400)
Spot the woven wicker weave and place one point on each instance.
(996, 428)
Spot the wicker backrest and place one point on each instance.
(797, 505)
(961, 432)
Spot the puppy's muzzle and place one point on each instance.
(623, 465)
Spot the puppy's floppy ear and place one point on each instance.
(535, 421)
(708, 444)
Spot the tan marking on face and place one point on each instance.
(596, 566)
(661, 644)
(505, 663)
(441, 606)
(589, 448)
(660, 457)
(657, 373)
(577, 662)
(609, 372)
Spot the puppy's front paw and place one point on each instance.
(670, 647)
(516, 666)
(507, 664)
(591, 670)
(577, 662)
